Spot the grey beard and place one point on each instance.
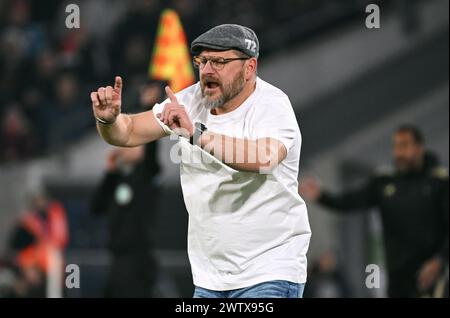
(211, 104)
(235, 89)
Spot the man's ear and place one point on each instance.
(251, 68)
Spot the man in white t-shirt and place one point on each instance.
(239, 145)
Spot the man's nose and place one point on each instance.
(207, 69)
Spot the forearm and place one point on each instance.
(261, 155)
(343, 203)
(117, 134)
(334, 202)
(132, 130)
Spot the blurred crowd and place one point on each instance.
(47, 70)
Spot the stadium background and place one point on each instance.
(350, 87)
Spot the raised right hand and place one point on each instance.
(310, 190)
(107, 101)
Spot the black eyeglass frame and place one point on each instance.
(218, 63)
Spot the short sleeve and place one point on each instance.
(157, 109)
(276, 120)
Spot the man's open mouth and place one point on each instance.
(211, 84)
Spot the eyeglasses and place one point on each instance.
(217, 63)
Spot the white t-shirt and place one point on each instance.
(244, 228)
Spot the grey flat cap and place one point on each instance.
(227, 37)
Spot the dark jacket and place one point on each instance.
(130, 200)
(414, 211)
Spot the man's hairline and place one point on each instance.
(420, 143)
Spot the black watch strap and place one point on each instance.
(199, 129)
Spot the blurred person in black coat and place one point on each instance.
(326, 278)
(123, 194)
(414, 205)
(130, 182)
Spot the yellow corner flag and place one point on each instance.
(171, 60)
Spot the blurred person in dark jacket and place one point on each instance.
(414, 204)
(123, 195)
(136, 33)
(326, 278)
(17, 141)
(66, 118)
(129, 183)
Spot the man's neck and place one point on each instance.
(237, 101)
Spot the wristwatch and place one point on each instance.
(199, 129)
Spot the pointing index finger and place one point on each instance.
(118, 84)
(171, 95)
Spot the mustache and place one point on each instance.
(210, 79)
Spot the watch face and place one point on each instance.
(200, 127)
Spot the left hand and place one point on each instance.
(175, 117)
(429, 273)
